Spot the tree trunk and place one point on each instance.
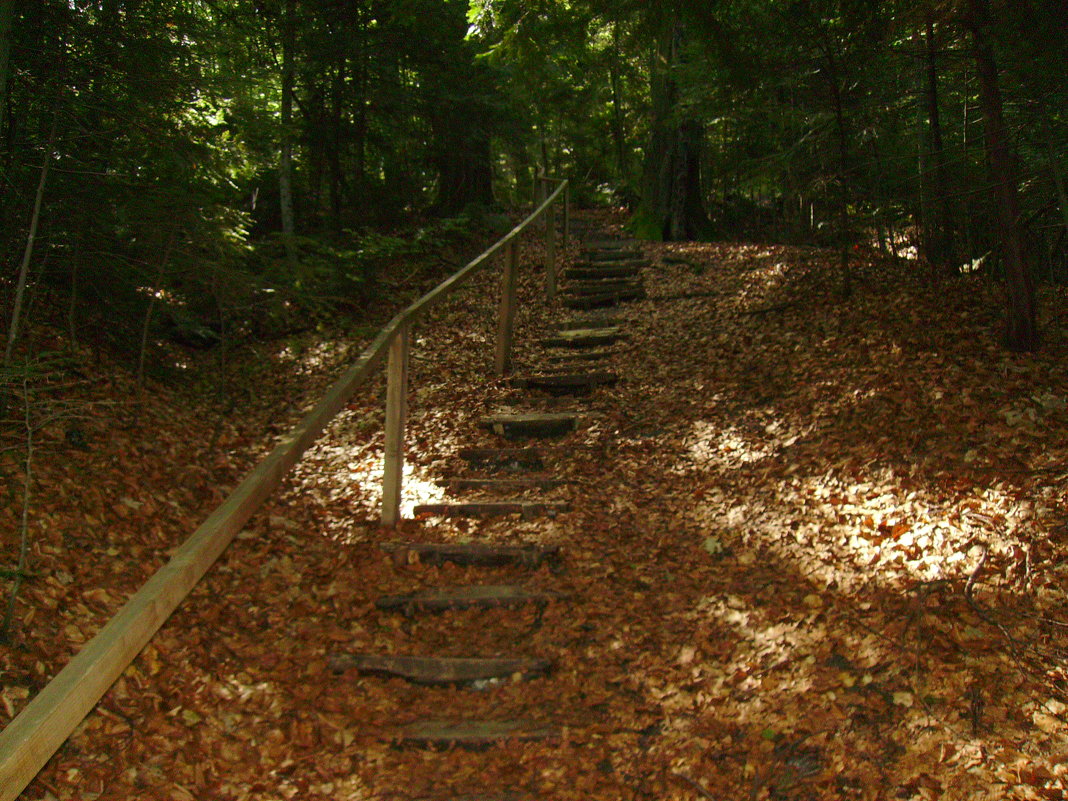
(460, 119)
(940, 250)
(1021, 327)
(337, 140)
(672, 203)
(845, 288)
(285, 171)
(7, 15)
(618, 136)
(27, 254)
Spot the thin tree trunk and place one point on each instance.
(285, 171)
(7, 16)
(941, 246)
(969, 245)
(1021, 327)
(1055, 168)
(146, 326)
(846, 273)
(617, 112)
(922, 145)
(337, 177)
(31, 238)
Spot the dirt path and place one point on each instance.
(814, 549)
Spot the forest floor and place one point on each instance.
(817, 548)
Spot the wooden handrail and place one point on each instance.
(29, 741)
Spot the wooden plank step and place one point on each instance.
(611, 264)
(510, 484)
(566, 383)
(611, 254)
(527, 509)
(472, 734)
(608, 243)
(578, 323)
(539, 425)
(600, 273)
(576, 358)
(607, 285)
(601, 301)
(484, 596)
(512, 460)
(583, 338)
(440, 670)
(472, 554)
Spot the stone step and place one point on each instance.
(506, 484)
(583, 338)
(440, 670)
(473, 734)
(485, 596)
(532, 425)
(566, 383)
(472, 554)
(527, 509)
(511, 460)
(602, 300)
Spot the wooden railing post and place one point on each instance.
(396, 414)
(541, 191)
(506, 323)
(550, 253)
(567, 216)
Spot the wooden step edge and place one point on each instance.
(472, 734)
(441, 670)
(502, 483)
(472, 554)
(581, 323)
(577, 356)
(526, 426)
(527, 509)
(578, 343)
(470, 597)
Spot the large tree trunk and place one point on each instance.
(1021, 327)
(460, 120)
(672, 200)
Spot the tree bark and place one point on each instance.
(7, 15)
(940, 247)
(1021, 327)
(672, 199)
(31, 239)
(618, 136)
(285, 170)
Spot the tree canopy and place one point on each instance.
(212, 151)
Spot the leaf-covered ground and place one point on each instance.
(816, 549)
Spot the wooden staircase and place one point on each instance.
(509, 475)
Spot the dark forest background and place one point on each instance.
(200, 171)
